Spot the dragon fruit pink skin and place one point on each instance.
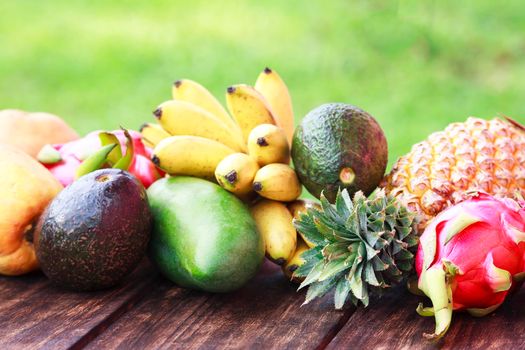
(73, 153)
(470, 257)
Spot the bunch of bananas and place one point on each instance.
(284, 245)
(247, 153)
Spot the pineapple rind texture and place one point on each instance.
(477, 155)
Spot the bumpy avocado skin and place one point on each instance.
(203, 236)
(335, 136)
(95, 232)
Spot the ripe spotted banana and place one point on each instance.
(301, 206)
(185, 118)
(190, 155)
(152, 134)
(278, 182)
(191, 91)
(273, 88)
(236, 172)
(267, 144)
(274, 222)
(248, 107)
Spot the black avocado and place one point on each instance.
(95, 232)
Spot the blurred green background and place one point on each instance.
(414, 65)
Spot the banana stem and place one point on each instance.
(434, 284)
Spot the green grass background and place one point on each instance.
(414, 65)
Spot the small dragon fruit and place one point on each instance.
(471, 257)
(64, 160)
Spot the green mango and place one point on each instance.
(203, 236)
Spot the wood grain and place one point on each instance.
(392, 323)
(151, 312)
(36, 315)
(266, 314)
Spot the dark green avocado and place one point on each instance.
(339, 146)
(95, 231)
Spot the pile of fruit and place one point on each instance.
(207, 192)
(247, 153)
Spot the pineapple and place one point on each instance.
(477, 155)
(362, 245)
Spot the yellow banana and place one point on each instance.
(236, 172)
(274, 223)
(190, 155)
(278, 182)
(267, 144)
(152, 134)
(191, 91)
(248, 107)
(273, 88)
(295, 262)
(301, 206)
(185, 118)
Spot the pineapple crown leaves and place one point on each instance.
(362, 245)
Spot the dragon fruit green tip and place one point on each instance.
(470, 257)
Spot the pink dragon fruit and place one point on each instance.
(63, 160)
(471, 257)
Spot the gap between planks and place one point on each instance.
(265, 314)
(392, 323)
(114, 316)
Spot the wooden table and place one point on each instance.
(147, 312)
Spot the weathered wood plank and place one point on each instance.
(147, 312)
(266, 314)
(36, 315)
(392, 323)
